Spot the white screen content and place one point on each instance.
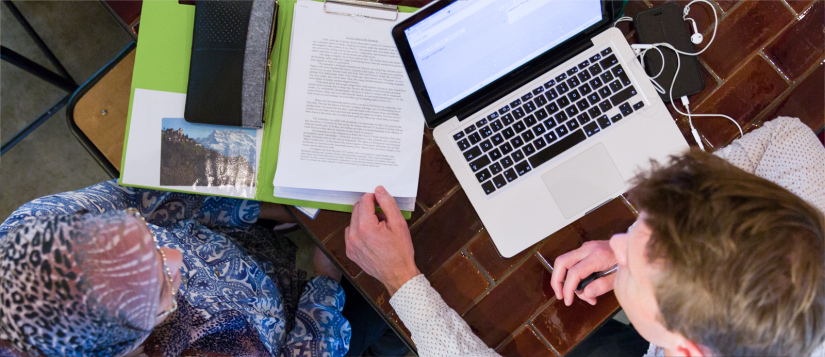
(471, 43)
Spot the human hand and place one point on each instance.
(324, 267)
(380, 243)
(570, 268)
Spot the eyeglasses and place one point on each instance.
(168, 273)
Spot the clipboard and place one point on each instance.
(162, 64)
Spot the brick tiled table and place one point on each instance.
(766, 61)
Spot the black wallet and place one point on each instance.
(231, 45)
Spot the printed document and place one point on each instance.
(351, 120)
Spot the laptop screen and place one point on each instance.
(471, 43)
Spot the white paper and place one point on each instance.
(351, 120)
(142, 164)
(309, 211)
(337, 197)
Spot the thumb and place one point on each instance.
(389, 206)
(599, 287)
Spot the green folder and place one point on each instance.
(162, 64)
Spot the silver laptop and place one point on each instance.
(538, 108)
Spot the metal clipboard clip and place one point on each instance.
(364, 4)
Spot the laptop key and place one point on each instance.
(560, 117)
(506, 162)
(623, 78)
(594, 111)
(539, 129)
(551, 94)
(562, 88)
(571, 111)
(474, 138)
(494, 154)
(616, 118)
(603, 121)
(561, 77)
(496, 168)
(540, 101)
(491, 117)
(616, 86)
(584, 64)
(507, 119)
(552, 108)
(591, 129)
(593, 98)
(623, 95)
(528, 136)
(563, 102)
(517, 156)
(605, 106)
(605, 92)
(485, 132)
(554, 150)
(527, 97)
(627, 111)
(528, 149)
(595, 69)
(538, 90)
(638, 105)
(488, 187)
(583, 118)
(523, 168)
(483, 175)
(504, 109)
(472, 154)
(572, 125)
(561, 130)
(618, 70)
(480, 163)
(458, 135)
(595, 83)
(510, 175)
(499, 181)
(549, 84)
(550, 137)
(572, 71)
(483, 121)
(470, 129)
(549, 124)
(574, 95)
(606, 77)
(529, 107)
(486, 145)
(595, 58)
(508, 133)
(464, 145)
(584, 89)
(518, 113)
(624, 106)
(541, 114)
(606, 51)
(584, 76)
(530, 120)
(496, 125)
(497, 139)
(506, 148)
(573, 82)
(516, 142)
(540, 143)
(519, 126)
(515, 103)
(582, 105)
(609, 61)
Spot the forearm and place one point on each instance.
(436, 329)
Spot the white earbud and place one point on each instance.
(697, 37)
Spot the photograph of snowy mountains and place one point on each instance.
(206, 155)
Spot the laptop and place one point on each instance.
(538, 107)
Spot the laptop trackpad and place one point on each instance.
(583, 181)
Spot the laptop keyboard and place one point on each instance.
(545, 122)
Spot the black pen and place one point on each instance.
(589, 279)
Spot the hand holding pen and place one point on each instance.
(586, 272)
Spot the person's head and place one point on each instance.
(91, 284)
(722, 262)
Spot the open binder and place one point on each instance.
(161, 70)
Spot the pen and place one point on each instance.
(589, 279)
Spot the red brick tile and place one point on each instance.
(565, 326)
(444, 232)
(376, 291)
(710, 86)
(522, 293)
(436, 178)
(416, 215)
(726, 5)
(337, 245)
(684, 128)
(324, 224)
(484, 251)
(601, 224)
(699, 12)
(526, 344)
(797, 49)
(742, 97)
(805, 101)
(427, 141)
(459, 283)
(799, 5)
(743, 32)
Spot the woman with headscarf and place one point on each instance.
(117, 271)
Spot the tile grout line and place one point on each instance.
(542, 338)
(762, 117)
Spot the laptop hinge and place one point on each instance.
(520, 80)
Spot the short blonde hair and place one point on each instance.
(743, 259)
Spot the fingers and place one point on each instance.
(389, 206)
(560, 267)
(363, 212)
(597, 288)
(574, 276)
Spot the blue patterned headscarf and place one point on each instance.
(78, 284)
